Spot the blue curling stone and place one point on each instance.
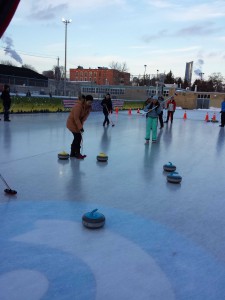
(93, 219)
(174, 177)
(169, 167)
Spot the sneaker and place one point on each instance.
(221, 125)
(7, 120)
(154, 141)
(166, 122)
(80, 156)
(147, 142)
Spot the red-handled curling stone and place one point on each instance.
(93, 219)
(169, 167)
(174, 177)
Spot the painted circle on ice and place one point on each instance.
(47, 238)
(21, 284)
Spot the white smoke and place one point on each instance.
(198, 67)
(10, 51)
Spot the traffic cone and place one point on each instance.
(214, 118)
(129, 111)
(185, 115)
(138, 111)
(207, 117)
(117, 110)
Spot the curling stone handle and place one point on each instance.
(93, 211)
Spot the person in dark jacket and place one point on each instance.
(161, 101)
(6, 99)
(107, 108)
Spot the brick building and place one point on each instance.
(100, 76)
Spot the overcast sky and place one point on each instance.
(162, 34)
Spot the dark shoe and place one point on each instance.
(166, 122)
(7, 120)
(80, 156)
(161, 127)
(221, 125)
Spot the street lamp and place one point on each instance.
(144, 73)
(201, 75)
(157, 83)
(66, 22)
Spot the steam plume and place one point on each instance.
(10, 51)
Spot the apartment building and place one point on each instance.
(100, 76)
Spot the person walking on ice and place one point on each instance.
(78, 115)
(153, 110)
(107, 108)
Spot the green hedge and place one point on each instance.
(35, 104)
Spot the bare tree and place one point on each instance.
(217, 80)
(122, 67)
(29, 67)
(7, 63)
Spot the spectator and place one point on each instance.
(6, 102)
(222, 113)
(171, 107)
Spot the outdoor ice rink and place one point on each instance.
(161, 241)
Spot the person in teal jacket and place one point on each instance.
(153, 110)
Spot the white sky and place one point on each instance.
(162, 34)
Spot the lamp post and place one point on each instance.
(66, 22)
(145, 73)
(201, 75)
(157, 83)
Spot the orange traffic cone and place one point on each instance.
(207, 117)
(129, 111)
(185, 115)
(214, 118)
(138, 111)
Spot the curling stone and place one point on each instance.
(174, 177)
(102, 157)
(63, 155)
(169, 167)
(93, 219)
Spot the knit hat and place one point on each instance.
(89, 98)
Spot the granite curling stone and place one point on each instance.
(102, 157)
(174, 177)
(169, 167)
(63, 155)
(93, 219)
